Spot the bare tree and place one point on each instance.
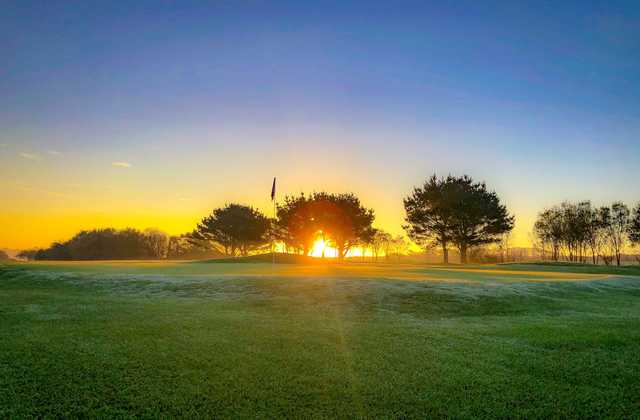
(504, 247)
(399, 246)
(634, 229)
(157, 242)
(380, 243)
(616, 221)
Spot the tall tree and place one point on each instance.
(458, 211)
(594, 234)
(235, 228)
(297, 223)
(339, 219)
(616, 223)
(157, 243)
(479, 217)
(380, 243)
(549, 229)
(429, 215)
(345, 221)
(398, 246)
(634, 226)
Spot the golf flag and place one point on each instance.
(273, 189)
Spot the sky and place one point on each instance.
(151, 114)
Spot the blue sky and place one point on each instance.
(206, 101)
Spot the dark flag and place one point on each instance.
(273, 190)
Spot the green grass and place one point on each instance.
(361, 340)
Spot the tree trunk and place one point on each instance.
(463, 254)
(445, 253)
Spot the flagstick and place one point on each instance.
(273, 234)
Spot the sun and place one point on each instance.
(318, 247)
(321, 247)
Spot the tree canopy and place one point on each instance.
(634, 226)
(455, 211)
(105, 244)
(235, 229)
(339, 219)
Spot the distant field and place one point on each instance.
(356, 340)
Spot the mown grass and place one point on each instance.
(253, 340)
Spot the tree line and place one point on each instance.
(579, 231)
(448, 212)
(445, 213)
(114, 244)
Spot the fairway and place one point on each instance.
(337, 340)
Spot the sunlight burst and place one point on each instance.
(321, 247)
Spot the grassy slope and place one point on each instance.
(254, 340)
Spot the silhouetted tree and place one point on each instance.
(549, 229)
(380, 243)
(185, 247)
(235, 228)
(344, 220)
(594, 233)
(297, 223)
(429, 215)
(634, 229)
(157, 243)
(455, 210)
(28, 254)
(616, 224)
(398, 246)
(339, 219)
(634, 226)
(503, 247)
(57, 251)
(105, 244)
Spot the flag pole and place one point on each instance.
(273, 233)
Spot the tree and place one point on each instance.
(616, 221)
(185, 247)
(380, 243)
(345, 221)
(235, 228)
(28, 254)
(157, 243)
(339, 219)
(429, 215)
(548, 228)
(3, 256)
(297, 223)
(594, 233)
(457, 211)
(634, 227)
(504, 247)
(398, 246)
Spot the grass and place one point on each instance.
(149, 339)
